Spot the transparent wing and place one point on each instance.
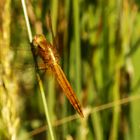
(49, 26)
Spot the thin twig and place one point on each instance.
(37, 73)
(27, 21)
(95, 109)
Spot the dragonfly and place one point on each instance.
(48, 53)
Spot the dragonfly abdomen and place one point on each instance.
(65, 85)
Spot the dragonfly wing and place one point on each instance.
(65, 85)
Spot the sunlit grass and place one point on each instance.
(99, 50)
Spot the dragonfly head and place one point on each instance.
(38, 40)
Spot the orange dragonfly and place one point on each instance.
(49, 55)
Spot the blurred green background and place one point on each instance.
(98, 43)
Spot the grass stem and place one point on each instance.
(37, 73)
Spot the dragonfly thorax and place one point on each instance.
(45, 50)
(48, 54)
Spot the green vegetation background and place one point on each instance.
(99, 48)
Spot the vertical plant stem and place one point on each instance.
(97, 124)
(9, 99)
(65, 62)
(116, 111)
(76, 53)
(51, 81)
(77, 46)
(37, 74)
(54, 13)
(45, 106)
(27, 21)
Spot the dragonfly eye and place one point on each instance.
(38, 39)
